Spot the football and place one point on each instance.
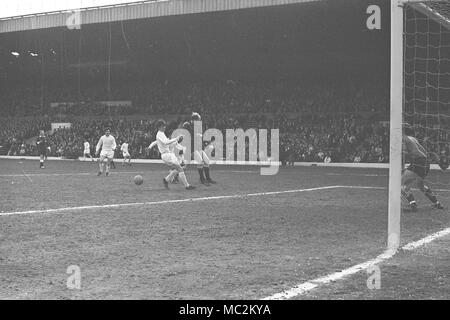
(138, 180)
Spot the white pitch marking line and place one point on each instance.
(58, 210)
(28, 176)
(388, 254)
(62, 174)
(363, 187)
(384, 188)
(356, 175)
(414, 245)
(186, 200)
(94, 175)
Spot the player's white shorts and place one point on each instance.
(170, 159)
(87, 152)
(201, 158)
(126, 154)
(107, 154)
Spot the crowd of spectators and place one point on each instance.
(166, 98)
(15, 132)
(138, 133)
(328, 123)
(341, 139)
(333, 139)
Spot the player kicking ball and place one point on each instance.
(416, 172)
(43, 147)
(125, 153)
(107, 145)
(179, 152)
(168, 157)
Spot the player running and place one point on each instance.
(178, 150)
(416, 172)
(125, 153)
(107, 144)
(169, 158)
(43, 147)
(200, 156)
(87, 151)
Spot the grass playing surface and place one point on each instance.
(233, 240)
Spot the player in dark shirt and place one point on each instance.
(43, 147)
(416, 172)
(200, 156)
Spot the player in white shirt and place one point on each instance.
(125, 153)
(87, 151)
(166, 148)
(179, 152)
(107, 144)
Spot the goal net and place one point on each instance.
(420, 60)
(427, 75)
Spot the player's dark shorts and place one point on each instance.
(421, 167)
(42, 153)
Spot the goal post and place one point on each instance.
(420, 89)
(396, 122)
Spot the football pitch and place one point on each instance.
(248, 237)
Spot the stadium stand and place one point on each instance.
(322, 115)
(298, 111)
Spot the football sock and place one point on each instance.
(410, 197)
(183, 179)
(171, 175)
(208, 177)
(429, 194)
(202, 176)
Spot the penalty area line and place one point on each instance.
(388, 254)
(65, 174)
(136, 204)
(95, 174)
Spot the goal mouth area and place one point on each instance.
(420, 83)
